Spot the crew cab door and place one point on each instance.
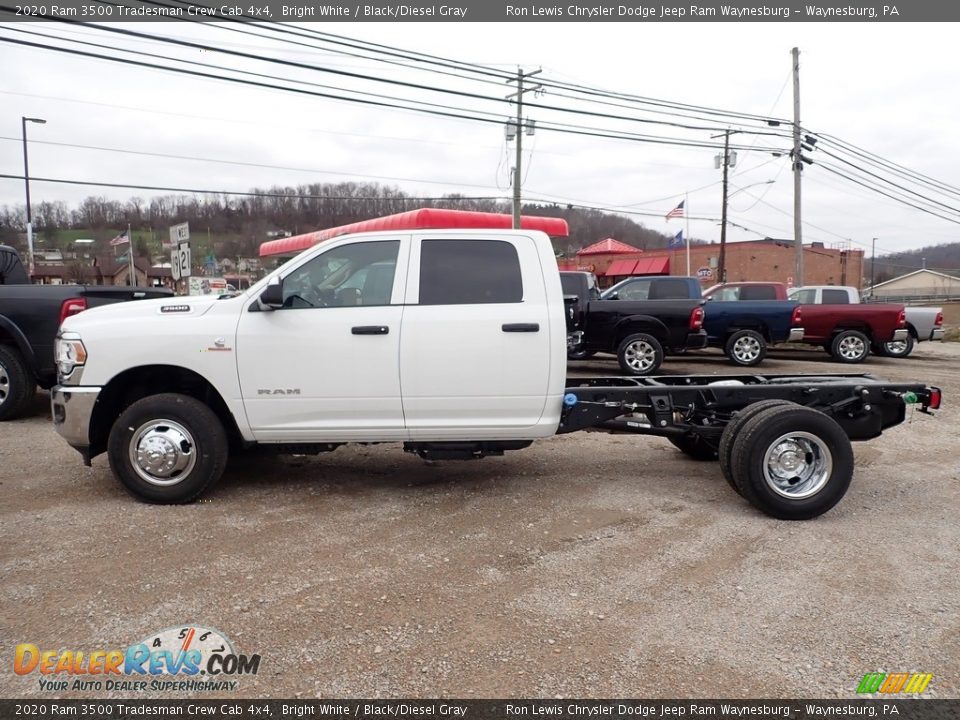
(475, 350)
(323, 367)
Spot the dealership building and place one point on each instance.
(762, 260)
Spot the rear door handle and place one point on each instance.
(370, 330)
(521, 327)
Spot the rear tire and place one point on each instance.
(17, 386)
(850, 346)
(792, 463)
(898, 349)
(167, 448)
(640, 354)
(746, 348)
(694, 447)
(731, 431)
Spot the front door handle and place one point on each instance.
(521, 327)
(370, 330)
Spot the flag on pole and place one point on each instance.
(677, 211)
(677, 241)
(120, 239)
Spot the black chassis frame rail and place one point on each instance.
(863, 404)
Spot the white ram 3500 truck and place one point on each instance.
(452, 342)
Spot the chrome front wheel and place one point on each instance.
(162, 452)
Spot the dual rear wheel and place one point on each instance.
(789, 461)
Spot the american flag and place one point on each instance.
(120, 239)
(677, 211)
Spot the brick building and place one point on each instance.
(771, 260)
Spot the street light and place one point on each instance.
(747, 187)
(26, 180)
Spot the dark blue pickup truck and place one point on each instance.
(742, 327)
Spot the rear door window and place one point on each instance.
(467, 272)
(836, 297)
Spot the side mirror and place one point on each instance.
(613, 296)
(272, 297)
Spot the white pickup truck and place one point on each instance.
(923, 323)
(452, 342)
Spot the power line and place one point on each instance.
(552, 126)
(240, 163)
(290, 196)
(828, 168)
(880, 161)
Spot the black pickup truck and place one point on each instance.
(638, 332)
(29, 318)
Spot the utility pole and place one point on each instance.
(873, 264)
(722, 265)
(521, 76)
(26, 181)
(797, 170)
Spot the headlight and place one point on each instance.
(69, 352)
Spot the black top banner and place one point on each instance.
(482, 11)
(437, 709)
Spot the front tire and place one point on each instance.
(792, 462)
(168, 448)
(850, 346)
(17, 386)
(746, 348)
(640, 354)
(580, 354)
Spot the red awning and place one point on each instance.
(652, 266)
(645, 266)
(421, 219)
(620, 268)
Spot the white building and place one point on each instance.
(918, 284)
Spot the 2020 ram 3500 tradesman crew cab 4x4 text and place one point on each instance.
(452, 342)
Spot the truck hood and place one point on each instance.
(171, 307)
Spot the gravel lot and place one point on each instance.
(588, 565)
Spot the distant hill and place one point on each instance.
(226, 226)
(943, 258)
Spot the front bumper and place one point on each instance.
(900, 335)
(937, 334)
(72, 408)
(796, 335)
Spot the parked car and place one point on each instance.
(29, 318)
(847, 332)
(923, 323)
(638, 330)
(742, 328)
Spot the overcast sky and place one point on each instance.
(891, 89)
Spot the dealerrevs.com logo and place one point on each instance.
(184, 658)
(894, 683)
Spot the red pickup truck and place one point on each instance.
(845, 331)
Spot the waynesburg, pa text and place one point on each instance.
(651, 12)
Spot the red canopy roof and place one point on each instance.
(608, 246)
(646, 266)
(620, 267)
(417, 220)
